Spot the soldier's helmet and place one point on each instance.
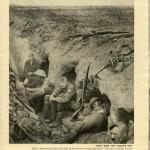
(92, 100)
(40, 73)
(63, 81)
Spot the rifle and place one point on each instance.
(103, 68)
(25, 105)
(75, 115)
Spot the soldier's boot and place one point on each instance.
(53, 109)
(58, 121)
(68, 138)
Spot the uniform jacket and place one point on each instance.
(65, 94)
(31, 67)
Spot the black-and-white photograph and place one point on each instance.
(71, 74)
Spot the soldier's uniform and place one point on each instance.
(47, 87)
(36, 95)
(95, 121)
(40, 89)
(31, 67)
(121, 124)
(65, 97)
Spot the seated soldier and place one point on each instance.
(41, 88)
(38, 78)
(95, 120)
(59, 100)
(121, 126)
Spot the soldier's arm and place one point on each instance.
(39, 89)
(46, 83)
(30, 85)
(56, 93)
(58, 90)
(67, 96)
(32, 89)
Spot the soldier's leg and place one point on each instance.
(39, 102)
(70, 137)
(32, 104)
(31, 100)
(60, 108)
(46, 107)
(53, 110)
(94, 123)
(36, 94)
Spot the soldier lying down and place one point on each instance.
(94, 120)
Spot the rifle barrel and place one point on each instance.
(100, 70)
(75, 115)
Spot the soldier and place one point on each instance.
(95, 120)
(121, 126)
(41, 88)
(31, 65)
(59, 100)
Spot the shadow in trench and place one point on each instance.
(45, 65)
(68, 70)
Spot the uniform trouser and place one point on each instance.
(46, 108)
(37, 103)
(93, 123)
(56, 108)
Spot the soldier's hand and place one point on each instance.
(52, 98)
(30, 73)
(28, 89)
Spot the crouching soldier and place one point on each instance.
(41, 88)
(95, 121)
(59, 100)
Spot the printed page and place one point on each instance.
(74, 75)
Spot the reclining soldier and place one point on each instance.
(61, 99)
(95, 120)
(41, 88)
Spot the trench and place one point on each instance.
(119, 87)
